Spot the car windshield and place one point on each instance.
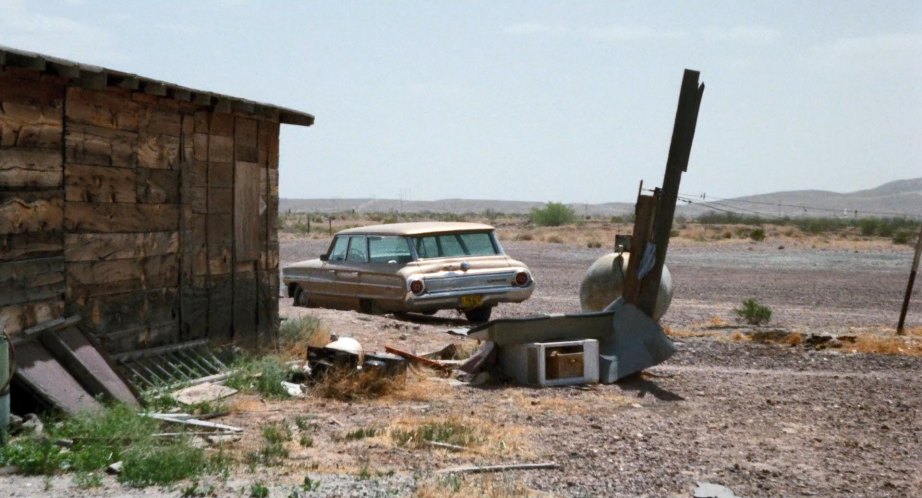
(452, 245)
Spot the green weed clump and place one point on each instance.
(757, 234)
(262, 375)
(553, 214)
(99, 439)
(754, 313)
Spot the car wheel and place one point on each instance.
(478, 315)
(301, 298)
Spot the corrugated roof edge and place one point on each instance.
(96, 77)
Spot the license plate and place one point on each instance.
(471, 301)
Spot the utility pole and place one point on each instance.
(912, 281)
(683, 133)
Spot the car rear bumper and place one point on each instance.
(452, 299)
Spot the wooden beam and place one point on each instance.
(243, 106)
(127, 82)
(202, 98)
(154, 88)
(181, 94)
(65, 70)
(223, 105)
(644, 213)
(94, 80)
(683, 133)
(912, 281)
(25, 61)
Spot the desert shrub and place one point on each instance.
(553, 214)
(757, 234)
(903, 236)
(524, 236)
(593, 244)
(555, 239)
(754, 313)
(296, 333)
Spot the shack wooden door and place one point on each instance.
(229, 262)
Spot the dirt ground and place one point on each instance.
(760, 419)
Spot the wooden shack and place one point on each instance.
(147, 208)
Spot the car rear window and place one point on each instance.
(455, 245)
(384, 249)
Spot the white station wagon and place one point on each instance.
(422, 267)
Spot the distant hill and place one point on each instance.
(897, 198)
(893, 199)
(456, 206)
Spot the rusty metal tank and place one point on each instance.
(603, 284)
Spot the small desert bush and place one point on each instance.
(753, 313)
(903, 236)
(554, 239)
(757, 234)
(553, 214)
(296, 334)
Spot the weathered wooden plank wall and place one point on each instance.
(122, 214)
(152, 218)
(31, 199)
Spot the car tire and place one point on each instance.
(478, 315)
(301, 298)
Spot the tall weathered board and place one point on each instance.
(147, 208)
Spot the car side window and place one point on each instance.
(357, 252)
(427, 247)
(339, 249)
(383, 249)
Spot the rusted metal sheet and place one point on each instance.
(89, 365)
(49, 381)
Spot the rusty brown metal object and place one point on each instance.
(683, 133)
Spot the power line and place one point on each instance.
(721, 204)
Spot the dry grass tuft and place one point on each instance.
(476, 435)
(885, 345)
(794, 339)
(688, 332)
(716, 321)
(346, 384)
(464, 486)
(739, 336)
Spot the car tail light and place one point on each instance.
(521, 279)
(417, 287)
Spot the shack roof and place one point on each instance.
(98, 78)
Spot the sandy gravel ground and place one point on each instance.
(761, 419)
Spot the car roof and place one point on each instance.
(417, 228)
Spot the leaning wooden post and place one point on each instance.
(683, 132)
(912, 281)
(644, 212)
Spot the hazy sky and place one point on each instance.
(545, 101)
